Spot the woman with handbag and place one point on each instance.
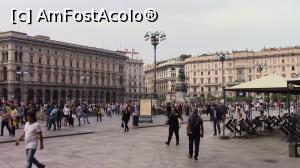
(126, 118)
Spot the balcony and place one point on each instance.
(212, 84)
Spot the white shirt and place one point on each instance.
(31, 135)
(66, 111)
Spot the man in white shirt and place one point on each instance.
(32, 132)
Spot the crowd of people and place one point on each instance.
(17, 115)
(14, 115)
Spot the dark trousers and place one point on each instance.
(12, 129)
(175, 130)
(5, 124)
(126, 129)
(58, 122)
(194, 139)
(52, 121)
(216, 124)
(99, 116)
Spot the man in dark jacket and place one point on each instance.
(195, 130)
(216, 117)
(174, 125)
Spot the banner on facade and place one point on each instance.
(145, 107)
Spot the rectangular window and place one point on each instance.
(56, 62)
(48, 61)
(40, 60)
(71, 64)
(64, 62)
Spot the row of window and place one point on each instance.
(271, 61)
(108, 67)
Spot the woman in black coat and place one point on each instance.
(126, 118)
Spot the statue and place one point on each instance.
(181, 75)
(181, 86)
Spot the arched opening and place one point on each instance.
(55, 97)
(4, 93)
(62, 97)
(90, 97)
(39, 96)
(96, 98)
(48, 96)
(70, 95)
(102, 97)
(107, 97)
(77, 96)
(114, 97)
(4, 73)
(30, 96)
(202, 95)
(17, 95)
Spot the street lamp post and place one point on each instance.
(222, 57)
(261, 67)
(85, 77)
(21, 74)
(155, 38)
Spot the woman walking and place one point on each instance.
(126, 118)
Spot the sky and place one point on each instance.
(192, 27)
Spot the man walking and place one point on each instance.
(195, 130)
(216, 117)
(174, 125)
(32, 132)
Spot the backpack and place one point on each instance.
(195, 124)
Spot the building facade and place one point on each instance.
(36, 68)
(134, 84)
(166, 75)
(204, 73)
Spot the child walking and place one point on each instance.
(32, 132)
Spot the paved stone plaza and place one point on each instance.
(110, 147)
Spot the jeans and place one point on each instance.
(85, 117)
(31, 159)
(79, 118)
(52, 121)
(216, 124)
(194, 139)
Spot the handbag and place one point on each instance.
(122, 125)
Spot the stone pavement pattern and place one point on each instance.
(145, 148)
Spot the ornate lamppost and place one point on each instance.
(222, 57)
(261, 67)
(155, 38)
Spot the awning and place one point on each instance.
(267, 84)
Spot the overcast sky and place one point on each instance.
(192, 26)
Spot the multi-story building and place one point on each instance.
(204, 72)
(166, 75)
(134, 83)
(36, 68)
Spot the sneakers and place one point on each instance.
(167, 143)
